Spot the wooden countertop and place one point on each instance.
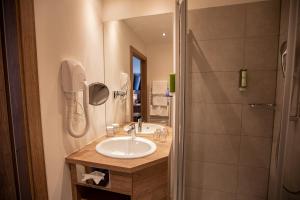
(89, 157)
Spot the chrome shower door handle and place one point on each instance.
(283, 62)
(283, 52)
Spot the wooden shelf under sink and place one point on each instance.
(148, 183)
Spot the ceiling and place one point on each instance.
(151, 28)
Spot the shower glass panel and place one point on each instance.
(180, 51)
(285, 165)
(228, 132)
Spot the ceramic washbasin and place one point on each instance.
(126, 147)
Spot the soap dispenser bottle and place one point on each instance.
(243, 84)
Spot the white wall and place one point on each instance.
(123, 9)
(160, 63)
(66, 29)
(117, 40)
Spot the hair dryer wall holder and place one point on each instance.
(119, 94)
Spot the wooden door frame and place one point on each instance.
(144, 91)
(9, 187)
(23, 100)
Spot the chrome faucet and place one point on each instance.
(131, 130)
(140, 124)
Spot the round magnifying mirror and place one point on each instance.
(98, 93)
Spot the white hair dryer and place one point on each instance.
(74, 81)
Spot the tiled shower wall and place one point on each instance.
(228, 144)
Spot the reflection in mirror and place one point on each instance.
(139, 50)
(98, 94)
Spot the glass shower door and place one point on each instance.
(222, 143)
(285, 179)
(180, 53)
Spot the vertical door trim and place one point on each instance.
(15, 103)
(23, 94)
(9, 182)
(32, 110)
(144, 94)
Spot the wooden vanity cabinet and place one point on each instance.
(149, 183)
(144, 178)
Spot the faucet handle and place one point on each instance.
(140, 119)
(132, 130)
(132, 125)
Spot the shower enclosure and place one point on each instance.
(285, 163)
(231, 143)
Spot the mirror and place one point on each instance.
(138, 54)
(98, 94)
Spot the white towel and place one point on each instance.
(159, 111)
(160, 101)
(95, 175)
(124, 81)
(159, 87)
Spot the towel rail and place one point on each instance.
(268, 106)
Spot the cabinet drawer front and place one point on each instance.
(121, 182)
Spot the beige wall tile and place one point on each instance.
(262, 18)
(253, 181)
(217, 55)
(257, 122)
(211, 176)
(284, 19)
(223, 40)
(223, 87)
(255, 151)
(213, 148)
(244, 197)
(292, 175)
(202, 194)
(261, 87)
(216, 118)
(218, 22)
(261, 53)
(216, 87)
(196, 87)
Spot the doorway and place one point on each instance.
(22, 166)
(138, 77)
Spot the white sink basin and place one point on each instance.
(147, 128)
(126, 147)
